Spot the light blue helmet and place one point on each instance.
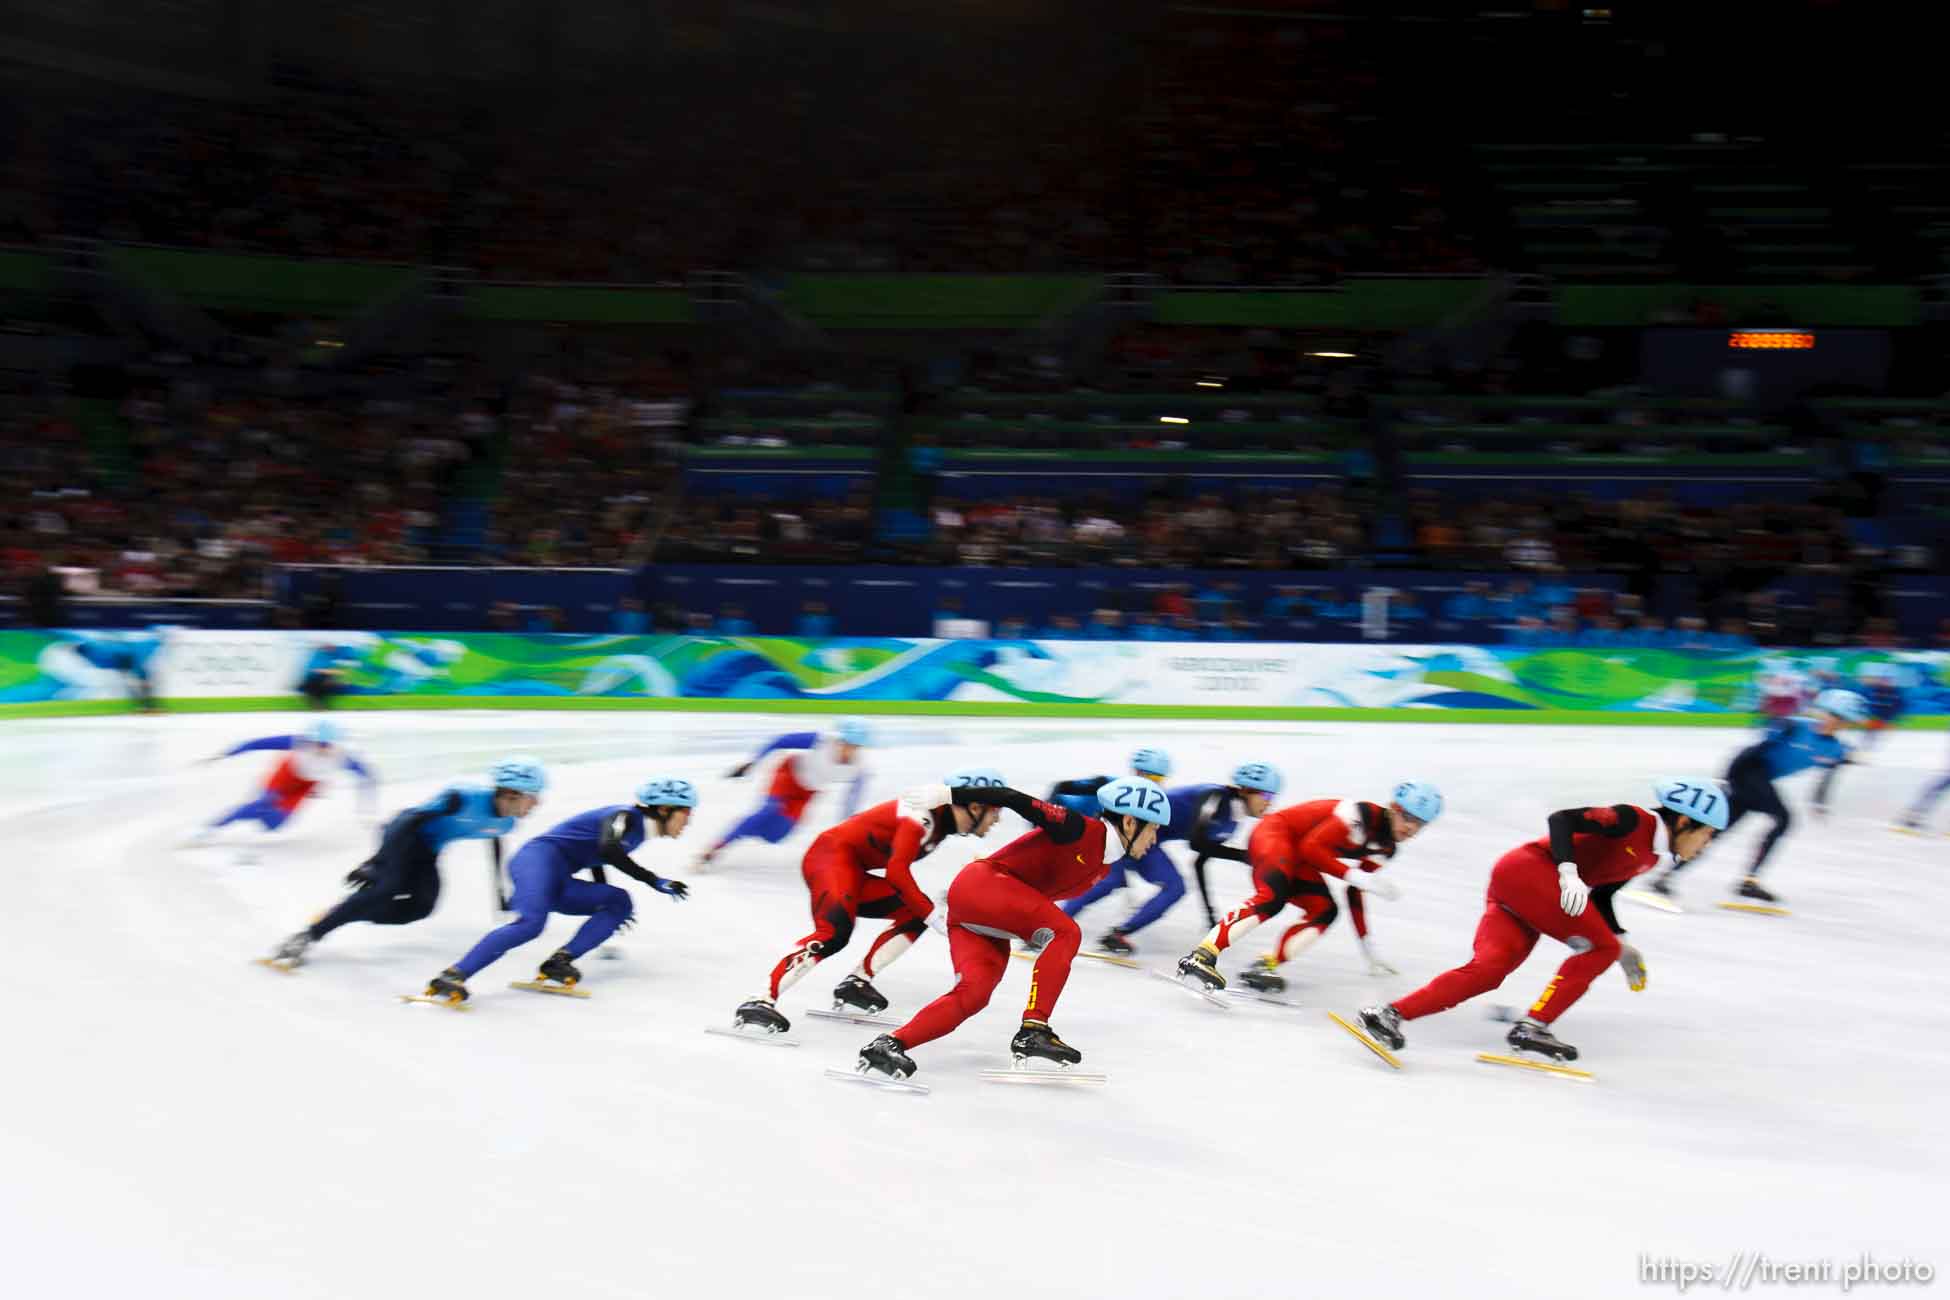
(666, 792)
(1419, 800)
(519, 773)
(1846, 705)
(981, 776)
(1696, 797)
(852, 731)
(1130, 796)
(323, 732)
(1263, 777)
(1151, 762)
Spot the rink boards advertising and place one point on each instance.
(47, 672)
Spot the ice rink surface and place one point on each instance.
(176, 1122)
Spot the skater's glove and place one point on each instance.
(359, 875)
(677, 889)
(1374, 884)
(739, 771)
(1572, 892)
(1632, 962)
(938, 920)
(1379, 968)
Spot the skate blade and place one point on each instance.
(282, 965)
(877, 1081)
(1108, 958)
(550, 986)
(1646, 898)
(448, 1003)
(856, 1018)
(1203, 995)
(1058, 1076)
(1253, 995)
(760, 1037)
(1757, 909)
(1365, 1040)
(1543, 1067)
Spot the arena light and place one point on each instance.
(1211, 383)
(1173, 419)
(1771, 340)
(1338, 356)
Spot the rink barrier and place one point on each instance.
(85, 671)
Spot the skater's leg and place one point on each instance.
(833, 880)
(979, 961)
(768, 822)
(1770, 805)
(896, 939)
(1593, 948)
(1503, 937)
(264, 810)
(1112, 882)
(1318, 910)
(1925, 801)
(1158, 869)
(538, 874)
(1274, 860)
(400, 861)
(607, 907)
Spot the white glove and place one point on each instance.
(1632, 962)
(1376, 967)
(938, 918)
(1374, 884)
(931, 796)
(1572, 892)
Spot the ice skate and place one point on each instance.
(291, 953)
(1036, 1040)
(760, 1016)
(860, 995)
(1529, 1035)
(1263, 976)
(1202, 964)
(449, 984)
(1751, 888)
(1114, 943)
(558, 969)
(885, 1056)
(1384, 1025)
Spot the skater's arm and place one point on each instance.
(609, 846)
(1062, 825)
(1357, 912)
(1081, 785)
(911, 831)
(500, 875)
(1332, 849)
(1204, 891)
(792, 740)
(1601, 898)
(264, 742)
(1202, 841)
(1614, 823)
(858, 784)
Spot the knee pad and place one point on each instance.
(840, 922)
(1041, 936)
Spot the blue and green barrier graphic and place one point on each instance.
(43, 671)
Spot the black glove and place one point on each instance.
(739, 771)
(360, 875)
(677, 889)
